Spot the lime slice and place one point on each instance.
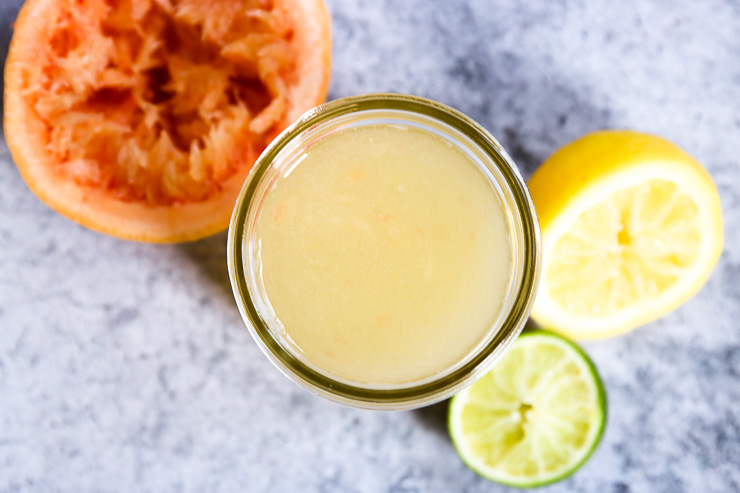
(535, 418)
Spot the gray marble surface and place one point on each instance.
(126, 368)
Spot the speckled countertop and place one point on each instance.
(126, 367)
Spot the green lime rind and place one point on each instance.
(539, 481)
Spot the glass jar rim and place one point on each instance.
(430, 390)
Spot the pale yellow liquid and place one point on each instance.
(385, 254)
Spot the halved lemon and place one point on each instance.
(631, 229)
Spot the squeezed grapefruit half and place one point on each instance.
(142, 118)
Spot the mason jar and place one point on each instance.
(283, 154)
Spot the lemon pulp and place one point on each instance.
(625, 250)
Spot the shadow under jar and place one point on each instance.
(384, 251)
